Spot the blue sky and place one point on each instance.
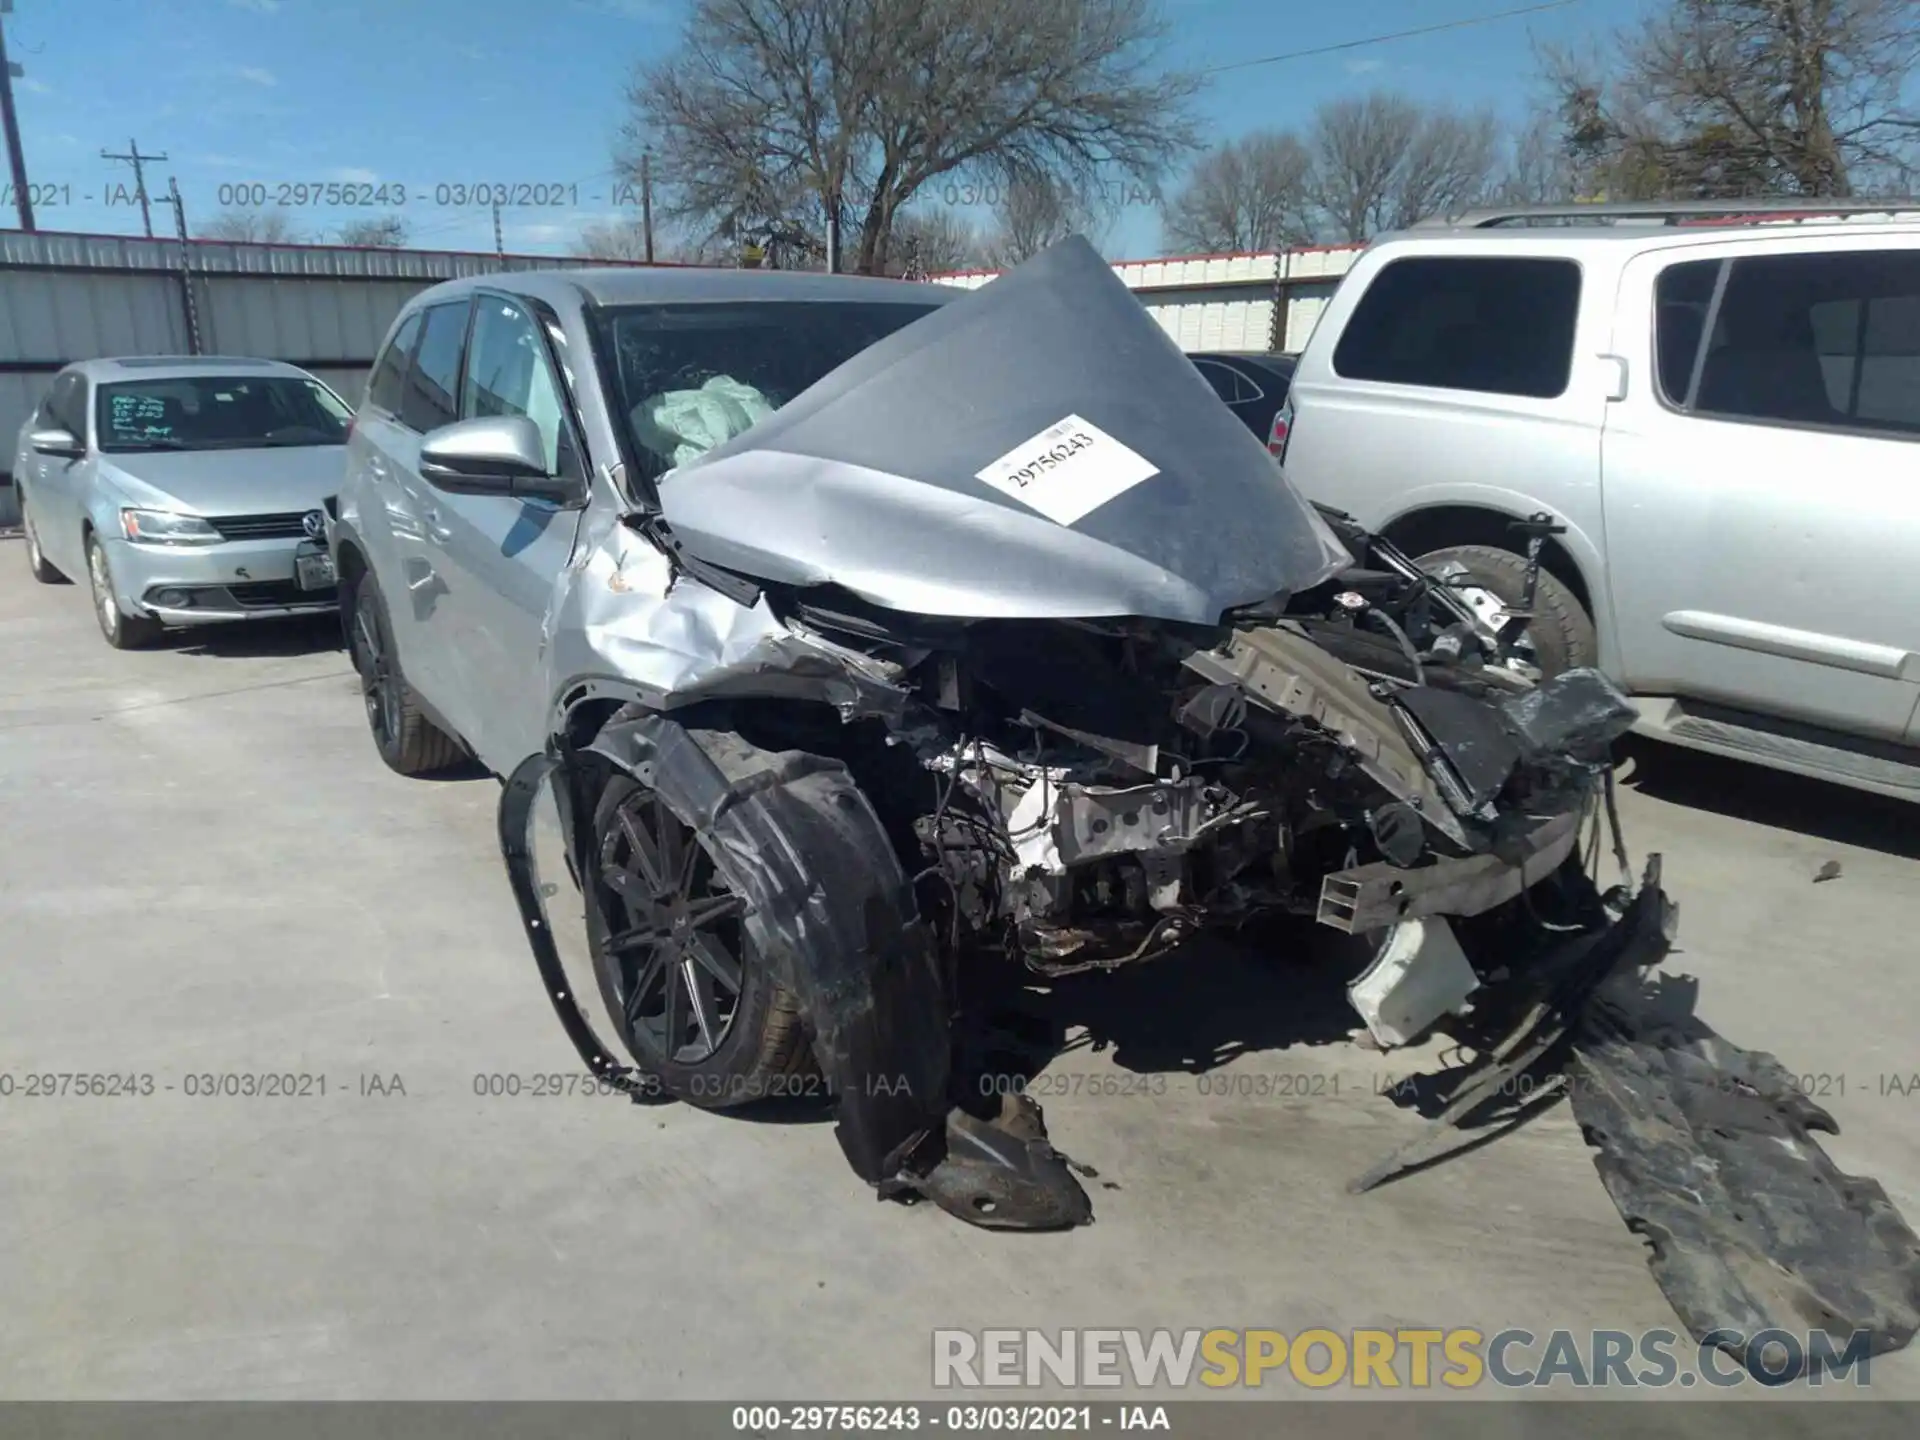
(433, 93)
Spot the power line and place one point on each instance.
(1396, 35)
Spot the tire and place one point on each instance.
(122, 631)
(1562, 632)
(408, 742)
(36, 558)
(764, 1049)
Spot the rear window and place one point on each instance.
(219, 412)
(1493, 324)
(1803, 339)
(691, 377)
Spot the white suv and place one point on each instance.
(1721, 413)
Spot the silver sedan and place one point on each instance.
(185, 490)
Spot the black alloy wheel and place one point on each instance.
(676, 952)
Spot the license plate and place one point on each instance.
(313, 572)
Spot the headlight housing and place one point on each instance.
(163, 527)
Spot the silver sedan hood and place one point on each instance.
(270, 480)
(1039, 449)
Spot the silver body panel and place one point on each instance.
(1766, 567)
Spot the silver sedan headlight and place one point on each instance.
(163, 527)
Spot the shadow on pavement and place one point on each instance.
(1278, 986)
(1281, 984)
(1753, 793)
(256, 639)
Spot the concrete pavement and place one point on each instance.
(207, 873)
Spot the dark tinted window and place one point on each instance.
(693, 376)
(66, 405)
(219, 412)
(1816, 339)
(387, 385)
(1681, 300)
(1486, 323)
(433, 385)
(1229, 384)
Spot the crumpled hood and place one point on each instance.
(1039, 449)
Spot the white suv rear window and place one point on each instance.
(1830, 339)
(1494, 324)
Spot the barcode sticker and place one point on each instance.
(1068, 470)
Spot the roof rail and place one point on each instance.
(1757, 209)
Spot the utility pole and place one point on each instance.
(139, 178)
(833, 233)
(499, 245)
(16, 158)
(646, 199)
(187, 302)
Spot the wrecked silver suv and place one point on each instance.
(873, 639)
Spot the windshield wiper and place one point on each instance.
(158, 442)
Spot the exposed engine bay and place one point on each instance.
(1104, 791)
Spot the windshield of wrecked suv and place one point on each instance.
(691, 377)
(220, 412)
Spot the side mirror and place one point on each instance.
(492, 455)
(55, 441)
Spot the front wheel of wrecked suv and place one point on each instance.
(688, 989)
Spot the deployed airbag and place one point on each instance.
(682, 425)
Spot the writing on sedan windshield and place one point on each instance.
(143, 416)
(220, 412)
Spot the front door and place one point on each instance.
(57, 486)
(504, 555)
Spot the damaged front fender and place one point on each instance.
(832, 915)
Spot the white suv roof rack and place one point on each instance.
(1765, 209)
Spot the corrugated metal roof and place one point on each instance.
(127, 252)
(1177, 272)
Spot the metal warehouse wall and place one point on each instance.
(1266, 301)
(77, 297)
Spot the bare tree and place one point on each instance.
(625, 238)
(1747, 97)
(1539, 168)
(779, 115)
(1254, 193)
(933, 242)
(1033, 214)
(271, 227)
(1357, 145)
(1452, 162)
(1381, 162)
(613, 240)
(385, 232)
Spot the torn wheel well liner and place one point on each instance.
(828, 906)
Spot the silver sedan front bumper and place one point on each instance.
(203, 584)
